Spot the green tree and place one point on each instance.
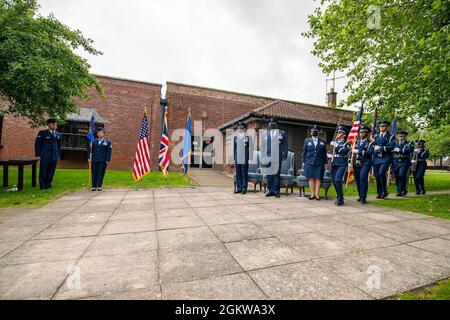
(40, 75)
(392, 51)
(438, 141)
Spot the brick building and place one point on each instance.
(121, 114)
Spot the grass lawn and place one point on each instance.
(439, 291)
(67, 181)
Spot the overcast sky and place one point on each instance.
(249, 46)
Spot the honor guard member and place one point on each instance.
(364, 150)
(419, 166)
(382, 158)
(272, 160)
(314, 159)
(48, 149)
(101, 156)
(241, 158)
(339, 163)
(402, 160)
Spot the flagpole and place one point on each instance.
(90, 166)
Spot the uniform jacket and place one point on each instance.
(48, 145)
(384, 155)
(314, 155)
(101, 150)
(341, 152)
(266, 147)
(365, 151)
(421, 155)
(242, 148)
(404, 153)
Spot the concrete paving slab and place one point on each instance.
(12, 234)
(221, 219)
(35, 251)
(263, 253)
(233, 287)
(132, 215)
(85, 217)
(397, 232)
(188, 237)
(380, 217)
(153, 293)
(7, 247)
(178, 222)
(195, 263)
(239, 232)
(109, 274)
(279, 228)
(304, 281)
(321, 223)
(435, 245)
(70, 231)
(129, 226)
(117, 244)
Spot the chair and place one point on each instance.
(302, 182)
(254, 172)
(286, 175)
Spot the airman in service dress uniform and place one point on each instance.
(314, 161)
(402, 160)
(269, 158)
(382, 158)
(101, 155)
(339, 162)
(419, 166)
(241, 158)
(364, 150)
(48, 149)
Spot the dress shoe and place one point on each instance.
(94, 189)
(244, 192)
(269, 195)
(359, 199)
(277, 196)
(312, 198)
(235, 192)
(384, 196)
(417, 193)
(339, 203)
(423, 192)
(99, 189)
(399, 195)
(379, 196)
(318, 198)
(363, 201)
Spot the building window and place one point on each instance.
(1, 129)
(74, 136)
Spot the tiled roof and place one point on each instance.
(284, 110)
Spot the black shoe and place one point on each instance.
(399, 195)
(418, 193)
(379, 196)
(359, 199)
(339, 203)
(244, 192)
(363, 201)
(277, 196)
(99, 189)
(236, 192)
(318, 199)
(94, 189)
(423, 192)
(405, 193)
(312, 198)
(269, 195)
(384, 196)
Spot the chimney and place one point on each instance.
(332, 99)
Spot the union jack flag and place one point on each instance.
(141, 165)
(164, 147)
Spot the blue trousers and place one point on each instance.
(46, 173)
(98, 173)
(380, 171)
(338, 173)
(401, 176)
(362, 180)
(419, 177)
(273, 181)
(241, 177)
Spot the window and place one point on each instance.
(74, 136)
(1, 129)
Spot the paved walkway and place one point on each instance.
(208, 243)
(211, 178)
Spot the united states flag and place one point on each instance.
(164, 147)
(356, 125)
(141, 165)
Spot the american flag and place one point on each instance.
(141, 165)
(356, 125)
(164, 147)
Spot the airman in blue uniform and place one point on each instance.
(241, 158)
(362, 165)
(48, 149)
(402, 160)
(339, 162)
(101, 156)
(419, 166)
(271, 161)
(314, 159)
(382, 158)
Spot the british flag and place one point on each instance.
(164, 147)
(141, 165)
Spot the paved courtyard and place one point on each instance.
(207, 243)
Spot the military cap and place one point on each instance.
(242, 124)
(101, 129)
(365, 129)
(385, 123)
(273, 120)
(421, 141)
(343, 129)
(315, 128)
(50, 121)
(402, 132)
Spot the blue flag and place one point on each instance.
(394, 128)
(187, 148)
(90, 135)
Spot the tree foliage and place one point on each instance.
(438, 141)
(392, 51)
(40, 75)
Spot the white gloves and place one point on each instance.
(334, 143)
(416, 150)
(377, 148)
(397, 150)
(355, 151)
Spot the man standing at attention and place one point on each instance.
(48, 149)
(101, 156)
(402, 161)
(382, 158)
(241, 158)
